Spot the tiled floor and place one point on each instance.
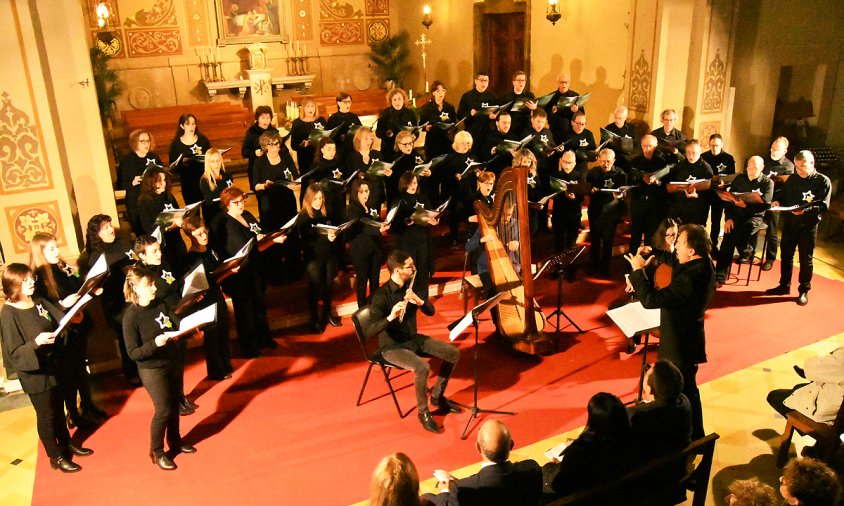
(734, 407)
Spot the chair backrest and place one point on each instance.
(838, 423)
(368, 343)
(630, 485)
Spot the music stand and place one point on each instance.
(561, 262)
(455, 329)
(634, 319)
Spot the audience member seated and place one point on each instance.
(663, 426)
(395, 482)
(499, 482)
(809, 482)
(751, 492)
(600, 454)
(820, 398)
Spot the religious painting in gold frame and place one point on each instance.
(248, 21)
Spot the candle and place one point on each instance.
(426, 87)
(305, 51)
(218, 54)
(411, 95)
(413, 101)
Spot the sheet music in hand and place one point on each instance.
(95, 277)
(71, 313)
(230, 263)
(556, 452)
(633, 318)
(325, 229)
(167, 217)
(193, 321)
(391, 214)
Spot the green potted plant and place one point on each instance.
(107, 83)
(390, 59)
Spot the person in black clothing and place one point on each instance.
(130, 172)
(167, 292)
(628, 137)
(251, 149)
(690, 205)
(671, 139)
(394, 308)
(497, 161)
(579, 139)
(58, 282)
(413, 237)
(345, 119)
(743, 223)
(215, 337)
(364, 240)
(31, 350)
(648, 197)
(156, 198)
(320, 256)
(473, 101)
(247, 288)
(477, 259)
(144, 325)
(778, 168)
(438, 114)
(662, 426)
(450, 172)
(524, 102)
(723, 164)
(602, 453)
(214, 180)
(361, 159)
(406, 160)
(392, 120)
(274, 173)
(301, 129)
(100, 239)
(682, 306)
(606, 209)
(192, 146)
(810, 190)
(330, 172)
(535, 192)
(560, 118)
(542, 145)
(566, 215)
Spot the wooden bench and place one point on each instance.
(827, 436)
(644, 486)
(364, 103)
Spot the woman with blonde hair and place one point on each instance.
(58, 282)
(307, 122)
(214, 180)
(320, 255)
(392, 120)
(395, 482)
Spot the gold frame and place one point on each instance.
(276, 7)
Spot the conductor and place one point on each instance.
(394, 308)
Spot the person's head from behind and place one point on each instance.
(809, 482)
(494, 441)
(606, 418)
(665, 382)
(751, 492)
(395, 482)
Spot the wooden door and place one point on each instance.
(504, 49)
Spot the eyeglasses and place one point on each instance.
(409, 143)
(240, 201)
(273, 144)
(670, 234)
(347, 101)
(579, 123)
(520, 80)
(145, 141)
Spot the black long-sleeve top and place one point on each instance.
(36, 365)
(479, 124)
(132, 166)
(397, 332)
(354, 161)
(563, 204)
(173, 247)
(813, 190)
(582, 144)
(742, 184)
(166, 283)
(344, 120)
(682, 172)
(364, 240)
(300, 130)
(189, 168)
(390, 123)
(520, 117)
(560, 122)
(437, 141)
(654, 193)
(276, 203)
(141, 325)
(251, 143)
(407, 206)
(66, 279)
(315, 245)
(604, 202)
(119, 255)
(210, 260)
(722, 164)
(211, 207)
(781, 167)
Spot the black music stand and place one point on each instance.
(560, 263)
(459, 326)
(632, 319)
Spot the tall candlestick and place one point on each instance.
(218, 54)
(305, 51)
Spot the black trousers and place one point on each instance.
(800, 237)
(250, 311)
(320, 280)
(773, 222)
(418, 246)
(716, 211)
(75, 376)
(742, 238)
(601, 233)
(566, 226)
(644, 220)
(49, 420)
(407, 357)
(216, 344)
(692, 392)
(776, 398)
(367, 270)
(164, 388)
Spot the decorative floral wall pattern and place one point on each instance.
(21, 167)
(151, 29)
(342, 23)
(707, 129)
(713, 85)
(640, 84)
(26, 220)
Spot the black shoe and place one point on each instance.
(269, 344)
(79, 451)
(163, 462)
(445, 405)
(65, 465)
(92, 411)
(71, 421)
(745, 261)
(719, 284)
(631, 347)
(768, 265)
(778, 290)
(185, 411)
(188, 404)
(187, 449)
(334, 321)
(134, 382)
(803, 299)
(220, 378)
(429, 423)
(317, 328)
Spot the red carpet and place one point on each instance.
(285, 429)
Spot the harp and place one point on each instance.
(506, 232)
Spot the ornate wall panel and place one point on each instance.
(157, 13)
(21, 165)
(714, 83)
(705, 129)
(153, 42)
(640, 84)
(303, 20)
(377, 30)
(26, 220)
(355, 22)
(377, 7)
(197, 24)
(336, 33)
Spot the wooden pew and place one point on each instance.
(364, 103)
(643, 486)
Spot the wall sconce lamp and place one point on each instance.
(427, 20)
(553, 15)
(102, 12)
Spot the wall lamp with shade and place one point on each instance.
(553, 14)
(427, 20)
